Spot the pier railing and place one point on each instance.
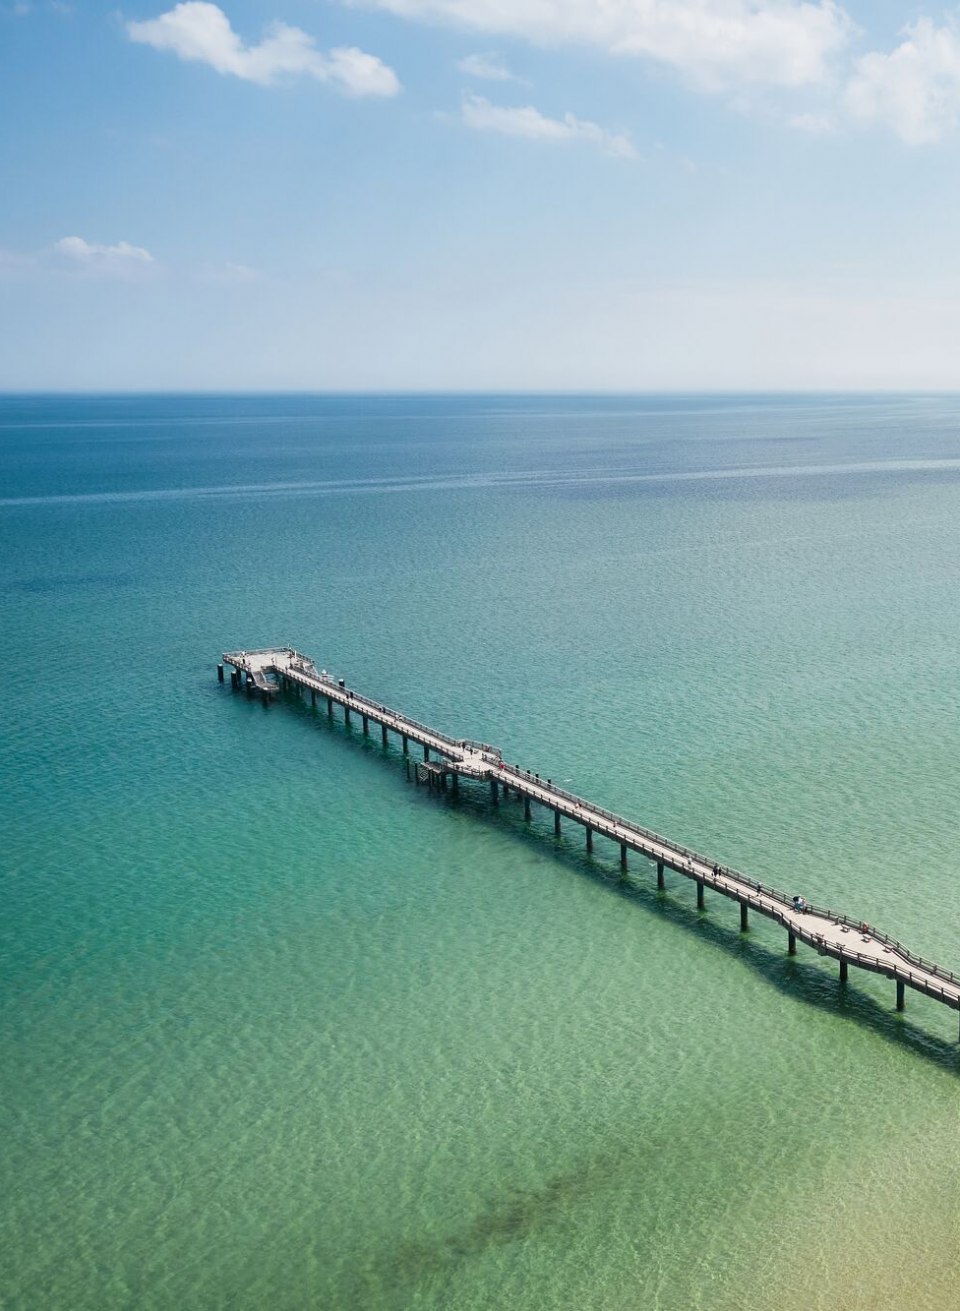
(761, 889)
(911, 957)
(357, 702)
(655, 839)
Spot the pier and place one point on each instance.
(445, 761)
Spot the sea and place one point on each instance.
(281, 1031)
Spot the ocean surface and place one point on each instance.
(282, 1032)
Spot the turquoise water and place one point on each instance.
(282, 1031)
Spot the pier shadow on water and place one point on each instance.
(806, 981)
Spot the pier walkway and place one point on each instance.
(848, 940)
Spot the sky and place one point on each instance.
(479, 195)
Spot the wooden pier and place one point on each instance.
(445, 760)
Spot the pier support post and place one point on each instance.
(623, 855)
(219, 673)
(556, 823)
(901, 994)
(455, 784)
(494, 792)
(313, 698)
(744, 922)
(406, 744)
(844, 970)
(660, 883)
(330, 706)
(426, 753)
(346, 714)
(589, 838)
(791, 944)
(383, 734)
(234, 679)
(699, 894)
(366, 725)
(526, 807)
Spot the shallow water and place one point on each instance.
(282, 1030)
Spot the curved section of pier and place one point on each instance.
(446, 760)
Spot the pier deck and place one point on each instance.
(830, 933)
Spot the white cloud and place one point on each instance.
(527, 122)
(201, 31)
(915, 90)
(717, 43)
(360, 74)
(490, 67)
(93, 255)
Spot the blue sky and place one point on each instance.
(479, 194)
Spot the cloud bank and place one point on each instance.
(198, 30)
(740, 47)
(716, 43)
(734, 46)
